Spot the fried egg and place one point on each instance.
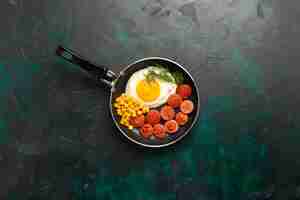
(152, 93)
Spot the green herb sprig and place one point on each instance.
(162, 73)
(178, 76)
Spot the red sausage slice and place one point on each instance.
(171, 126)
(175, 100)
(159, 131)
(181, 118)
(153, 117)
(184, 90)
(137, 121)
(146, 131)
(167, 113)
(187, 106)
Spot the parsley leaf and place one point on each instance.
(178, 76)
(160, 73)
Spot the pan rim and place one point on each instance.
(181, 136)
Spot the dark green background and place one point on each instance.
(57, 140)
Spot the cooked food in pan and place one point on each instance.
(155, 103)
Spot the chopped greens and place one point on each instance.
(162, 73)
(157, 73)
(161, 67)
(178, 77)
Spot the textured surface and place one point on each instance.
(56, 137)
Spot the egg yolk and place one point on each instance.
(148, 91)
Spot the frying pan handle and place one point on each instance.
(100, 73)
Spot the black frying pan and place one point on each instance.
(117, 84)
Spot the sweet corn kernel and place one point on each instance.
(128, 107)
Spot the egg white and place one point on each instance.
(166, 88)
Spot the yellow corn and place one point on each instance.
(128, 107)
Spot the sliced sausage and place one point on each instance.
(171, 126)
(167, 113)
(153, 117)
(184, 90)
(137, 121)
(181, 118)
(175, 100)
(187, 106)
(146, 131)
(159, 131)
